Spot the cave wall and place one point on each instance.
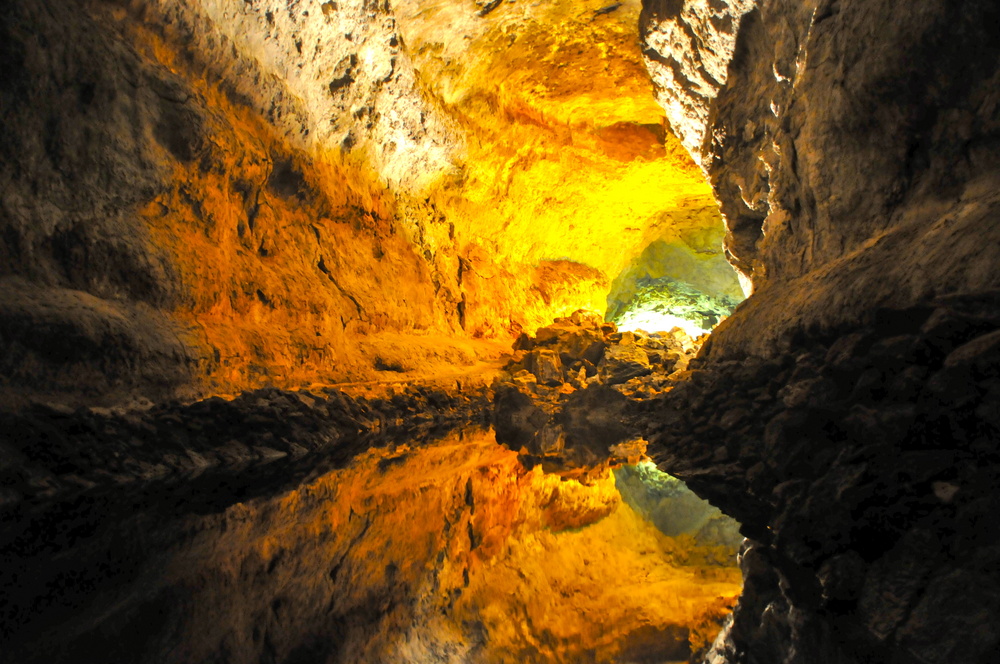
(845, 413)
(203, 198)
(170, 227)
(852, 147)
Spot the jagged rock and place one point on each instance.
(624, 362)
(846, 463)
(750, 87)
(829, 154)
(56, 452)
(547, 367)
(563, 396)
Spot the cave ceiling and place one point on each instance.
(565, 153)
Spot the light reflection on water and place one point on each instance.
(416, 550)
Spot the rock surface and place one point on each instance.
(862, 469)
(839, 138)
(564, 398)
(844, 412)
(278, 193)
(50, 452)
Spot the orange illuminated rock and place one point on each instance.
(567, 156)
(273, 194)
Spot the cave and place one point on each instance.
(489, 331)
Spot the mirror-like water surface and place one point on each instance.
(418, 551)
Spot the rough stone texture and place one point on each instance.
(565, 399)
(50, 452)
(862, 469)
(845, 134)
(688, 47)
(844, 414)
(309, 67)
(159, 230)
(287, 193)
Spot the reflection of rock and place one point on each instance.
(570, 434)
(862, 467)
(50, 451)
(562, 399)
(675, 509)
(519, 418)
(411, 550)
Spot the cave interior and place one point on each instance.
(500, 331)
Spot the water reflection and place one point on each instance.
(444, 550)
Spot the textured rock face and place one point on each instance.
(202, 197)
(563, 399)
(861, 469)
(165, 227)
(688, 47)
(852, 147)
(842, 135)
(566, 156)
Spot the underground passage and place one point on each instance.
(500, 331)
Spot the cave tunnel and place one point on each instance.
(495, 331)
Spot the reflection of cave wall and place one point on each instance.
(674, 509)
(445, 551)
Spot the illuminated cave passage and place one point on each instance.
(684, 283)
(369, 331)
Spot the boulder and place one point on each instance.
(622, 363)
(547, 367)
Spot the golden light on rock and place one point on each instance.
(567, 157)
(360, 194)
(321, 331)
(467, 552)
(503, 170)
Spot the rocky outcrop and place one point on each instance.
(166, 232)
(851, 146)
(844, 412)
(688, 47)
(50, 452)
(564, 398)
(863, 470)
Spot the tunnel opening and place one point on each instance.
(681, 281)
(674, 509)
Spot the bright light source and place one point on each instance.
(655, 321)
